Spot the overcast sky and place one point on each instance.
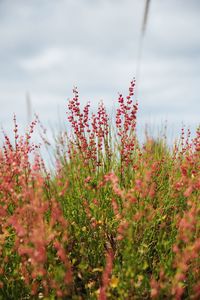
(49, 46)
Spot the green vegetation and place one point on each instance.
(116, 220)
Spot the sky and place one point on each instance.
(47, 47)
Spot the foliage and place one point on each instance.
(116, 220)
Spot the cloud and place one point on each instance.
(43, 61)
(47, 47)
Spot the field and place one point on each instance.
(116, 219)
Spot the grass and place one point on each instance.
(116, 219)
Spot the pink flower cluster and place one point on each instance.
(126, 125)
(36, 222)
(90, 132)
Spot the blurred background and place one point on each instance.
(48, 47)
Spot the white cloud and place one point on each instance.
(43, 61)
(48, 47)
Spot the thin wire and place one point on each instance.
(29, 108)
(146, 11)
(141, 42)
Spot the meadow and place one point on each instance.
(116, 219)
